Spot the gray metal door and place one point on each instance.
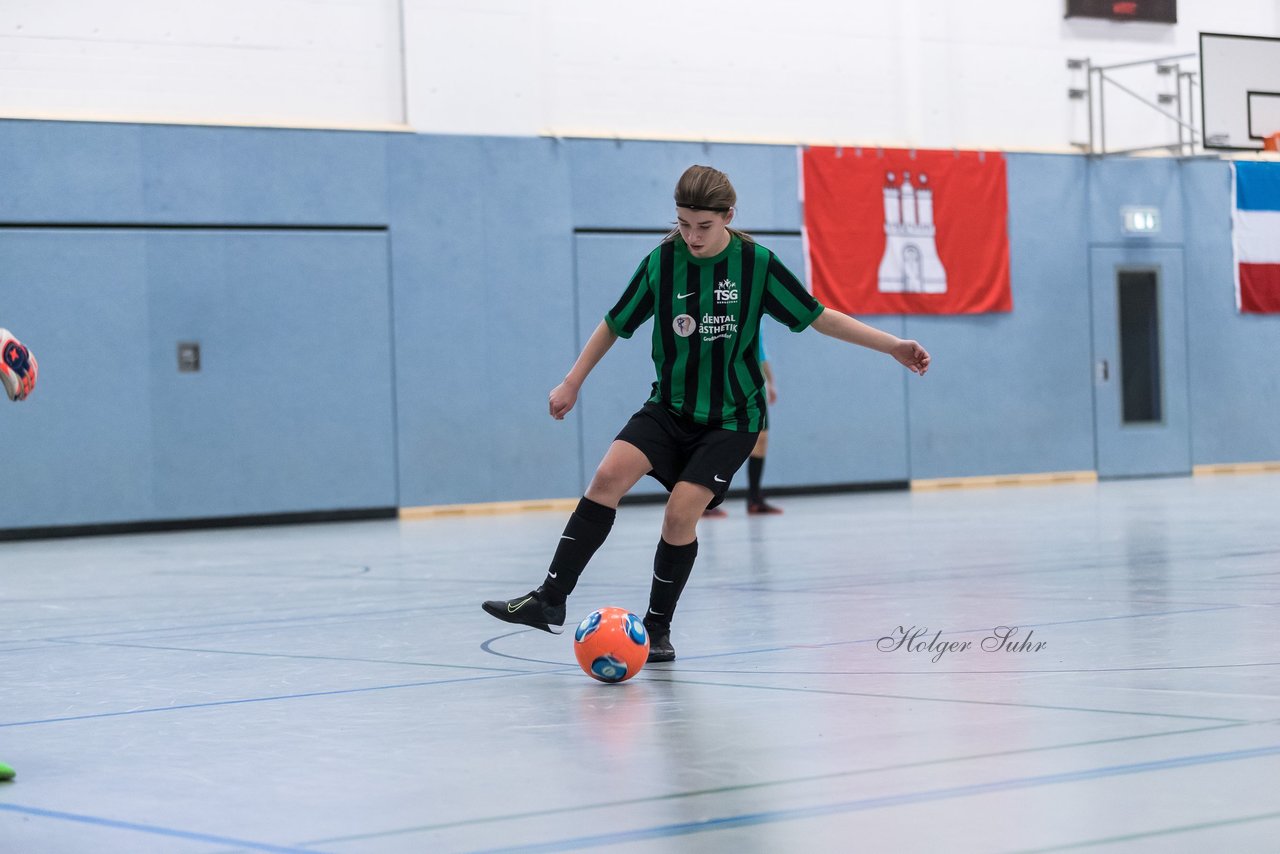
(1141, 419)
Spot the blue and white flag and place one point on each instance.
(1255, 235)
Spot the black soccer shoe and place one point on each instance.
(528, 610)
(660, 648)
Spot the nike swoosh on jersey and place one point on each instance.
(683, 296)
(719, 479)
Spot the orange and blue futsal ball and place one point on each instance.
(611, 644)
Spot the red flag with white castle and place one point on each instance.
(891, 231)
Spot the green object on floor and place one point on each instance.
(6, 773)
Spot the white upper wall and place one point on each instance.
(926, 73)
(327, 63)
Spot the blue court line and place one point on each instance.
(744, 787)
(216, 703)
(1164, 831)
(666, 831)
(157, 831)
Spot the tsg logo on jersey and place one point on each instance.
(726, 291)
(684, 325)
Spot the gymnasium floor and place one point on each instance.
(336, 688)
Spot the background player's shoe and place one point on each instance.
(6, 773)
(18, 368)
(660, 648)
(762, 507)
(528, 610)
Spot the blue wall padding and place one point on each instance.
(381, 317)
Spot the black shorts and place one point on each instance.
(681, 449)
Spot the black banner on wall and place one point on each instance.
(1163, 11)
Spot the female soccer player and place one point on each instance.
(18, 376)
(706, 286)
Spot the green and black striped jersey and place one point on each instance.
(706, 328)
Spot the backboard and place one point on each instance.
(1239, 90)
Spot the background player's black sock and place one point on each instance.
(755, 468)
(671, 568)
(583, 534)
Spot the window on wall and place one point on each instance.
(1138, 299)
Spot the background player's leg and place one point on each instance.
(755, 473)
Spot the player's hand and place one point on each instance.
(912, 355)
(561, 400)
(18, 368)
(772, 392)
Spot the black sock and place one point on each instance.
(755, 468)
(583, 534)
(671, 568)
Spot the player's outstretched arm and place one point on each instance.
(565, 395)
(845, 328)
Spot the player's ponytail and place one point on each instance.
(706, 189)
